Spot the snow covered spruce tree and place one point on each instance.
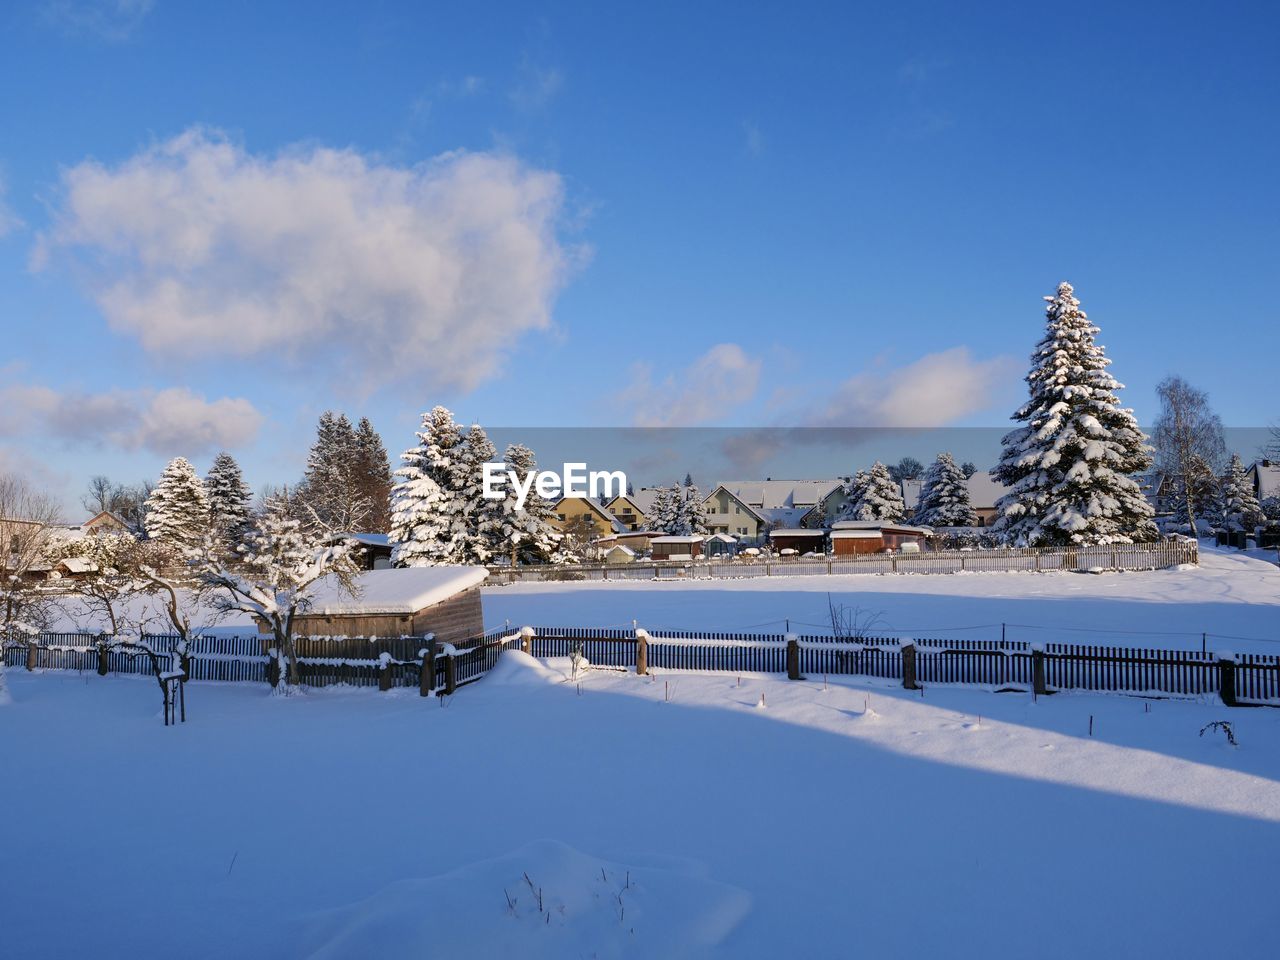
(373, 476)
(527, 533)
(229, 498)
(1239, 508)
(482, 519)
(944, 496)
(664, 512)
(691, 516)
(178, 508)
(1069, 467)
(279, 566)
(875, 495)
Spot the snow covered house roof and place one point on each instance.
(773, 494)
(620, 548)
(693, 539)
(641, 499)
(77, 565)
(796, 532)
(866, 534)
(368, 539)
(1266, 478)
(875, 527)
(723, 538)
(400, 590)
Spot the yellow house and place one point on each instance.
(632, 509)
(569, 510)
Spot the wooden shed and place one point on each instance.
(619, 553)
(676, 548)
(850, 537)
(409, 601)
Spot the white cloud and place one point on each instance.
(201, 248)
(938, 389)
(721, 379)
(110, 20)
(167, 422)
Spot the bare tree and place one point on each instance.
(1188, 441)
(28, 527)
(280, 566)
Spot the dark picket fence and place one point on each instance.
(994, 664)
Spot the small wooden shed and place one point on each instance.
(850, 537)
(619, 553)
(676, 548)
(408, 601)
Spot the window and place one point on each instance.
(737, 509)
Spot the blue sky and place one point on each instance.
(220, 219)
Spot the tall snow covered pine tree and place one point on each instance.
(1070, 467)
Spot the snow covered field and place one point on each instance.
(1235, 599)
(856, 820)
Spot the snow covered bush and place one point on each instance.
(1070, 467)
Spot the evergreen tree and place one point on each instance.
(879, 496)
(178, 509)
(482, 519)
(944, 496)
(229, 498)
(527, 532)
(373, 476)
(853, 489)
(1070, 467)
(1239, 506)
(330, 488)
(968, 468)
(427, 523)
(691, 518)
(664, 513)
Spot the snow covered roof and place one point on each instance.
(369, 539)
(400, 590)
(723, 538)
(876, 527)
(641, 499)
(796, 532)
(77, 565)
(780, 494)
(621, 548)
(1267, 478)
(693, 539)
(856, 534)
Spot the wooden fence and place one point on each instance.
(1135, 556)
(1244, 679)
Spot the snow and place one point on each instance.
(1228, 597)
(405, 590)
(847, 818)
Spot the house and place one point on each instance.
(105, 522)
(1265, 476)
(748, 509)
(849, 537)
(677, 548)
(801, 540)
(373, 550)
(632, 509)
(984, 492)
(411, 601)
(619, 553)
(570, 510)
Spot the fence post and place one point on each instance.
(1227, 678)
(909, 667)
(793, 657)
(526, 640)
(33, 647)
(450, 673)
(427, 678)
(104, 656)
(384, 673)
(1037, 671)
(642, 652)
